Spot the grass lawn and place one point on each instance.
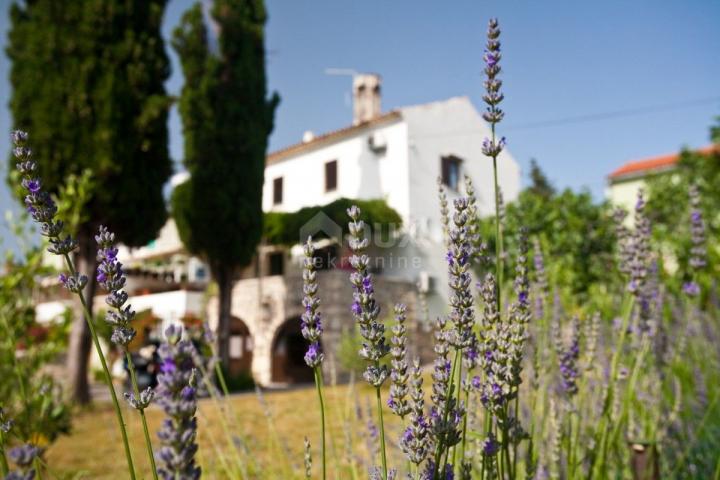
(273, 443)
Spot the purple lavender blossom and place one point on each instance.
(445, 414)
(490, 446)
(698, 252)
(415, 441)
(519, 313)
(541, 283)
(640, 247)
(23, 457)
(568, 362)
(38, 202)
(399, 368)
(311, 322)
(365, 309)
(496, 351)
(111, 277)
(493, 96)
(691, 288)
(478, 249)
(177, 395)
(462, 312)
(698, 249)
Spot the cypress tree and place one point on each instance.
(88, 84)
(227, 118)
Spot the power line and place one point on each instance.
(615, 114)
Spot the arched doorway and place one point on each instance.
(288, 354)
(241, 347)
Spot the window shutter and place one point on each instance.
(331, 176)
(277, 191)
(445, 170)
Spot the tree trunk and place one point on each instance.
(78, 358)
(226, 280)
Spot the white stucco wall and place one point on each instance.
(450, 127)
(405, 175)
(170, 307)
(361, 172)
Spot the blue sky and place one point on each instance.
(562, 60)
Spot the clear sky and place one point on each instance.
(563, 60)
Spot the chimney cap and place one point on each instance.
(308, 136)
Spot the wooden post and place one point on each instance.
(644, 461)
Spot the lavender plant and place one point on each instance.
(312, 331)
(366, 311)
(23, 457)
(111, 277)
(698, 251)
(5, 425)
(397, 401)
(478, 397)
(415, 441)
(492, 147)
(177, 395)
(43, 209)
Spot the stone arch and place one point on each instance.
(241, 347)
(287, 354)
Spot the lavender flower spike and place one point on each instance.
(640, 260)
(364, 308)
(568, 362)
(698, 250)
(398, 373)
(42, 208)
(307, 460)
(311, 322)
(177, 397)
(415, 441)
(111, 277)
(38, 202)
(541, 282)
(493, 96)
(23, 457)
(462, 313)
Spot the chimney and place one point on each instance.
(366, 97)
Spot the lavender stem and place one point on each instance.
(116, 405)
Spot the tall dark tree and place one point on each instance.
(87, 80)
(227, 118)
(540, 184)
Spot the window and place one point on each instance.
(276, 263)
(450, 171)
(331, 176)
(277, 191)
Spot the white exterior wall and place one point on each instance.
(451, 127)
(361, 173)
(624, 194)
(169, 307)
(405, 175)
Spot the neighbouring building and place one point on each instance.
(397, 156)
(625, 181)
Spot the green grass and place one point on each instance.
(94, 448)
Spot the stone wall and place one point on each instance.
(265, 304)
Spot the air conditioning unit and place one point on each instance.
(377, 142)
(426, 282)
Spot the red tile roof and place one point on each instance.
(329, 137)
(656, 164)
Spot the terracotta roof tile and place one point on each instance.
(325, 138)
(664, 162)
